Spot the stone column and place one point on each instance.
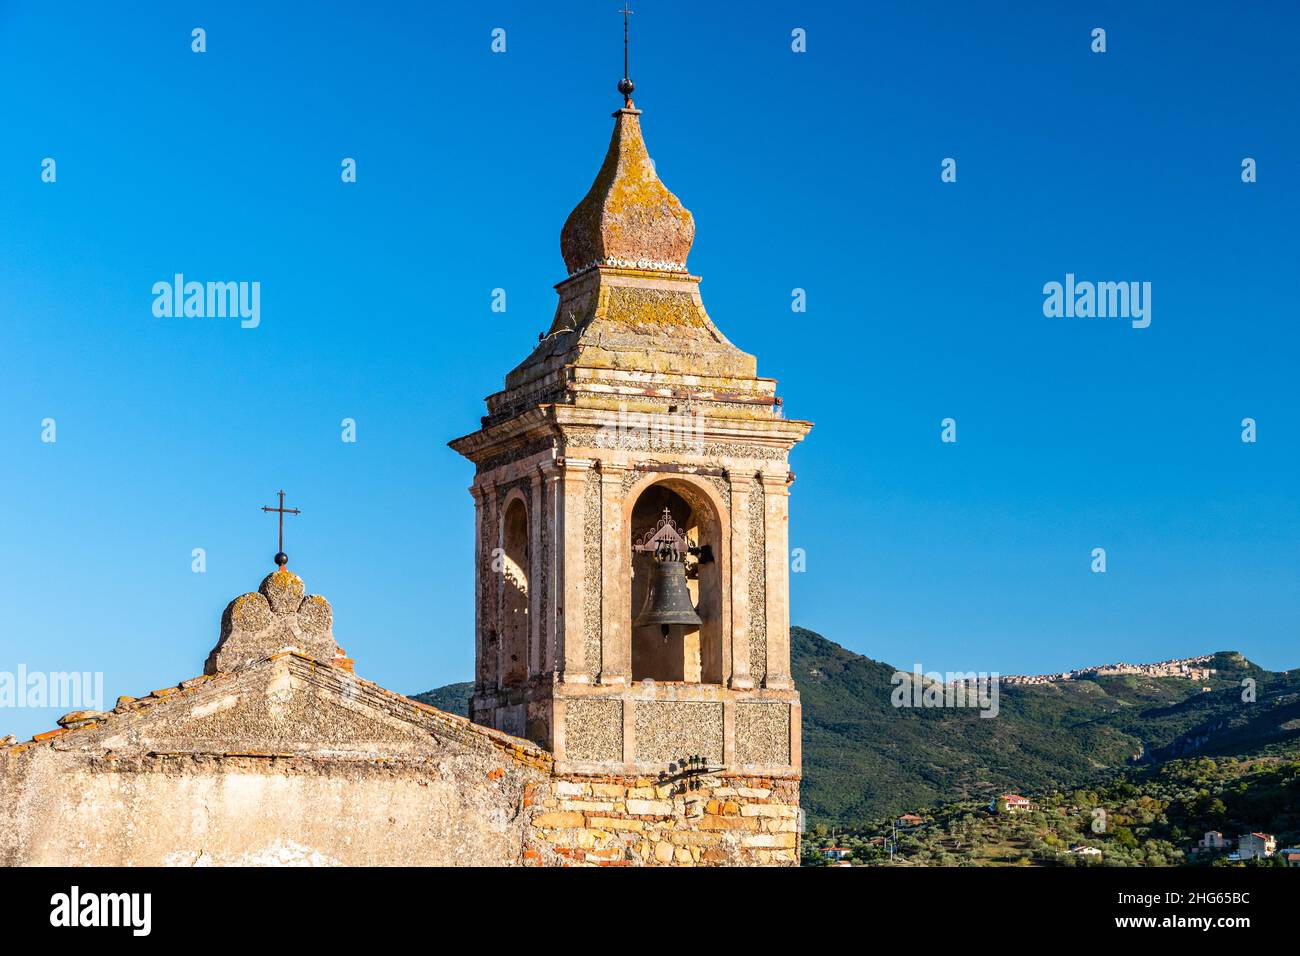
(729, 733)
(776, 495)
(480, 566)
(536, 528)
(616, 577)
(796, 736)
(485, 587)
(629, 729)
(739, 585)
(570, 545)
(496, 590)
(549, 523)
(558, 745)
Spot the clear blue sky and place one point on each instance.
(818, 171)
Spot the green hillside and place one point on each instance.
(865, 759)
(1146, 816)
(453, 698)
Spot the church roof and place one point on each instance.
(628, 218)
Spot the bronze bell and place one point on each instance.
(667, 600)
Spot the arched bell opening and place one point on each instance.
(514, 594)
(673, 512)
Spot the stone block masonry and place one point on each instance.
(707, 819)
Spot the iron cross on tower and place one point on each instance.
(625, 85)
(280, 557)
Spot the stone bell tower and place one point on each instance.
(633, 422)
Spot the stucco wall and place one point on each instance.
(70, 809)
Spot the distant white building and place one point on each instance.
(1015, 803)
(1214, 840)
(1254, 846)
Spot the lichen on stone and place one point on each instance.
(275, 617)
(628, 218)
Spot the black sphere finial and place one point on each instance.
(281, 558)
(626, 86)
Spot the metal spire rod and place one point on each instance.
(626, 13)
(625, 85)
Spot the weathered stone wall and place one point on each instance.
(287, 761)
(707, 819)
(65, 809)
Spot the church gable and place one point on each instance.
(286, 704)
(275, 698)
(284, 760)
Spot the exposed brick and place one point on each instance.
(712, 822)
(695, 838)
(593, 838)
(649, 808)
(768, 840)
(614, 823)
(557, 820)
(587, 806)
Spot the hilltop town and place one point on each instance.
(1192, 668)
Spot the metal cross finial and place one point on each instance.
(625, 85)
(280, 557)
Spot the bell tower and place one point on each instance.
(631, 489)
